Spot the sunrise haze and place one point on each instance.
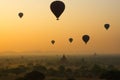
(35, 30)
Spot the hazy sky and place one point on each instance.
(39, 26)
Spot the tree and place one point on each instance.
(52, 72)
(84, 70)
(61, 68)
(96, 70)
(69, 72)
(34, 75)
(111, 67)
(111, 75)
(71, 79)
(20, 78)
(40, 68)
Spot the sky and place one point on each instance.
(34, 31)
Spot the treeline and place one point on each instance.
(84, 70)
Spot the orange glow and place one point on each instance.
(39, 26)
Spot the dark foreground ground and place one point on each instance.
(58, 68)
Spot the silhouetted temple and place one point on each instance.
(63, 60)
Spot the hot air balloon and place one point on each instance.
(53, 42)
(20, 14)
(107, 26)
(85, 38)
(70, 40)
(57, 7)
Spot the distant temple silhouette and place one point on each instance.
(64, 60)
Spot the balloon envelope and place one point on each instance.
(20, 14)
(57, 7)
(70, 40)
(107, 26)
(53, 42)
(86, 38)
